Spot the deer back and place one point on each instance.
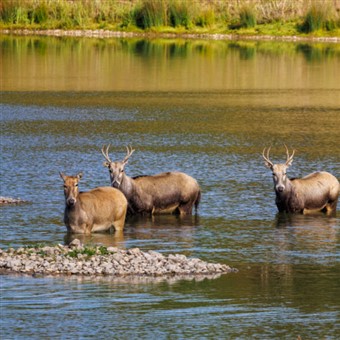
(316, 189)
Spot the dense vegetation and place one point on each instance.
(277, 17)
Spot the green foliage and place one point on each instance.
(247, 16)
(172, 15)
(40, 13)
(179, 13)
(88, 251)
(319, 17)
(206, 18)
(150, 13)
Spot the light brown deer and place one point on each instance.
(318, 191)
(96, 210)
(164, 193)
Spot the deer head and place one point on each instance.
(279, 170)
(71, 189)
(116, 168)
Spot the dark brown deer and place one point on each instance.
(318, 191)
(164, 193)
(96, 210)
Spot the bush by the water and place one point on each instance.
(320, 16)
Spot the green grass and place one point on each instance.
(319, 17)
(88, 251)
(271, 17)
(247, 16)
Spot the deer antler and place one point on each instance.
(106, 153)
(266, 157)
(289, 158)
(129, 152)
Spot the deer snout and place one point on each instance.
(71, 202)
(115, 182)
(280, 188)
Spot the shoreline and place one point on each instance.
(101, 33)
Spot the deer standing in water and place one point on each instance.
(318, 191)
(164, 193)
(96, 210)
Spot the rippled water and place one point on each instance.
(205, 108)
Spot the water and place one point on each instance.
(207, 108)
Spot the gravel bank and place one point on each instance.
(114, 34)
(76, 259)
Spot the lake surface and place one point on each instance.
(207, 108)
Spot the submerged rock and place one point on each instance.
(10, 200)
(77, 259)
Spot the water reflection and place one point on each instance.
(82, 64)
(313, 237)
(318, 220)
(108, 239)
(162, 229)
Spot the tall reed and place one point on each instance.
(180, 13)
(320, 16)
(247, 16)
(150, 13)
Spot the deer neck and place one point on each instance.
(127, 186)
(72, 213)
(289, 198)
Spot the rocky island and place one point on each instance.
(76, 259)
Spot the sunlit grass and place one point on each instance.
(272, 17)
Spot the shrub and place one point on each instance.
(247, 17)
(179, 13)
(318, 17)
(206, 18)
(150, 13)
(40, 13)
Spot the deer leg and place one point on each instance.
(331, 207)
(119, 224)
(186, 208)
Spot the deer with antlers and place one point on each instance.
(164, 193)
(318, 191)
(96, 210)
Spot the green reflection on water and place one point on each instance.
(79, 64)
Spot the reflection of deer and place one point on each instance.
(306, 235)
(167, 192)
(95, 210)
(115, 239)
(318, 191)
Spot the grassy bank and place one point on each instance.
(252, 17)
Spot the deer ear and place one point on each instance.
(80, 175)
(106, 164)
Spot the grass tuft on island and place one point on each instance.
(240, 17)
